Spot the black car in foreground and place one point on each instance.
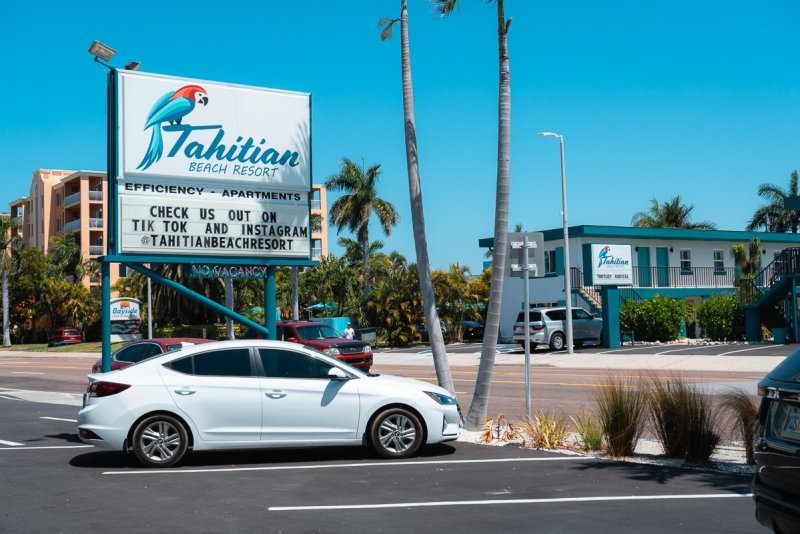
(776, 485)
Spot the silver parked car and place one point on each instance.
(548, 327)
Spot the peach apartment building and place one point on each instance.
(62, 201)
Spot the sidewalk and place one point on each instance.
(586, 360)
(583, 360)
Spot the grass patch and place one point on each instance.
(621, 404)
(743, 409)
(589, 432)
(545, 430)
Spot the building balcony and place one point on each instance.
(17, 220)
(74, 198)
(96, 195)
(74, 226)
(316, 253)
(677, 277)
(316, 205)
(96, 250)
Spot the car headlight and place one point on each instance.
(367, 348)
(440, 398)
(331, 351)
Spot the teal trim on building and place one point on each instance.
(588, 272)
(627, 232)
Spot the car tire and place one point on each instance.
(396, 433)
(160, 441)
(557, 341)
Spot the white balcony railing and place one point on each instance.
(316, 205)
(95, 195)
(96, 250)
(316, 253)
(95, 223)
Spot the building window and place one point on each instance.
(719, 261)
(58, 199)
(686, 261)
(549, 262)
(58, 225)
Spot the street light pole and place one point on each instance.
(567, 281)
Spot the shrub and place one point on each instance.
(684, 419)
(657, 319)
(589, 432)
(546, 431)
(498, 429)
(743, 408)
(621, 411)
(721, 317)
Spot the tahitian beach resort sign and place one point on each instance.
(211, 169)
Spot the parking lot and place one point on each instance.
(52, 482)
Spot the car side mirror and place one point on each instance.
(335, 373)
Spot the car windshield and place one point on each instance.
(533, 315)
(321, 331)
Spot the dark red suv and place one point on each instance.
(65, 336)
(325, 339)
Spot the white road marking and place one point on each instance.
(509, 501)
(337, 466)
(745, 350)
(60, 419)
(9, 398)
(11, 443)
(25, 373)
(47, 447)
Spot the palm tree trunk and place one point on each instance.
(365, 249)
(440, 362)
(295, 296)
(6, 318)
(480, 399)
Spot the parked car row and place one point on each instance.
(548, 327)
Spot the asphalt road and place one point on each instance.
(53, 483)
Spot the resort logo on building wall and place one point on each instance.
(613, 264)
(220, 156)
(606, 259)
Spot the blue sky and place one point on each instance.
(654, 99)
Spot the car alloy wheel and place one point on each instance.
(396, 433)
(160, 441)
(557, 341)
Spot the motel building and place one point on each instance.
(690, 265)
(62, 201)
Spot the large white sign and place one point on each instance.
(612, 265)
(208, 168)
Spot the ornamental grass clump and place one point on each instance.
(743, 409)
(684, 418)
(621, 409)
(546, 431)
(669, 400)
(589, 431)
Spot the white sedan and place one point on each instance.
(254, 394)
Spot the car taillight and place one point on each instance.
(104, 389)
(537, 327)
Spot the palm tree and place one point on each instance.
(9, 263)
(440, 362)
(354, 252)
(670, 214)
(747, 258)
(480, 399)
(354, 208)
(773, 216)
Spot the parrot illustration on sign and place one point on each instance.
(602, 256)
(172, 108)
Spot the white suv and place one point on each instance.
(548, 327)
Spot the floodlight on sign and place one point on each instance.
(101, 51)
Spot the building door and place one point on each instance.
(643, 261)
(662, 266)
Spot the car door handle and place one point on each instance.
(275, 394)
(185, 391)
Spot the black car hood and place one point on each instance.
(788, 370)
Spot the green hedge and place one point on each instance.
(657, 319)
(721, 318)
